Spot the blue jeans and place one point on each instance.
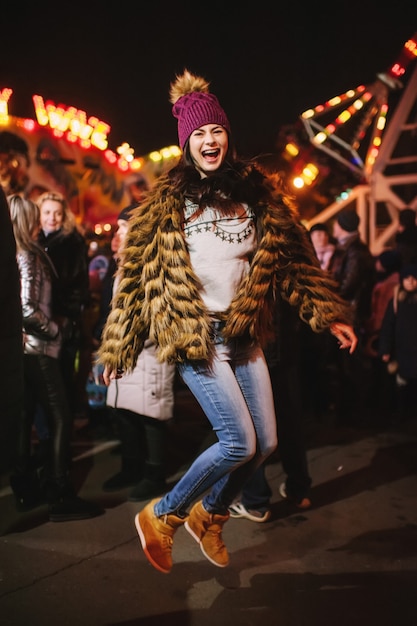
(235, 393)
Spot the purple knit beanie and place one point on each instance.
(194, 106)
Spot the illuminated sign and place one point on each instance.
(4, 99)
(72, 122)
(63, 120)
(74, 125)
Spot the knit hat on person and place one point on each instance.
(126, 212)
(319, 226)
(409, 270)
(194, 106)
(348, 220)
(390, 260)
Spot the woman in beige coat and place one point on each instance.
(143, 402)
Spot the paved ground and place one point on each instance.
(351, 559)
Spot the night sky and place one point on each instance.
(265, 65)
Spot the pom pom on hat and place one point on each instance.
(348, 220)
(194, 106)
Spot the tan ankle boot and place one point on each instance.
(156, 535)
(206, 528)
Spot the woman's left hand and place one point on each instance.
(345, 335)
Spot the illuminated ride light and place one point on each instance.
(4, 99)
(361, 107)
(307, 176)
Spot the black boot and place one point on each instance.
(152, 484)
(42, 454)
(128, 476)
(65, 506)
(27, 491)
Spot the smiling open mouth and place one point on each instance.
(211, 154)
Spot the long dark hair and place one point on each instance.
(237, 181)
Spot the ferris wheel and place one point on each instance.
(349, 127)
(355, 130)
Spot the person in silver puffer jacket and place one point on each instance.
(41, 334)
(43, 381)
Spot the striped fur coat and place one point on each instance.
(158, 293)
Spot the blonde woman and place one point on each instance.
(43, 382)
(67, 249)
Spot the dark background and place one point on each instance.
(116, 60)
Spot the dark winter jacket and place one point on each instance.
(11, 345)
(398, 336)
(68, 254)
(353, 267)
(406, 245)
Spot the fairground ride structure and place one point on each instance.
(64, 149)
(356, 130)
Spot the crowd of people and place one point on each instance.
(210, 276)
(372, 382)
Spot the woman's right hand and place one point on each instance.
(345, 335)
(109, 375)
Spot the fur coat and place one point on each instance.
(158, 293)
